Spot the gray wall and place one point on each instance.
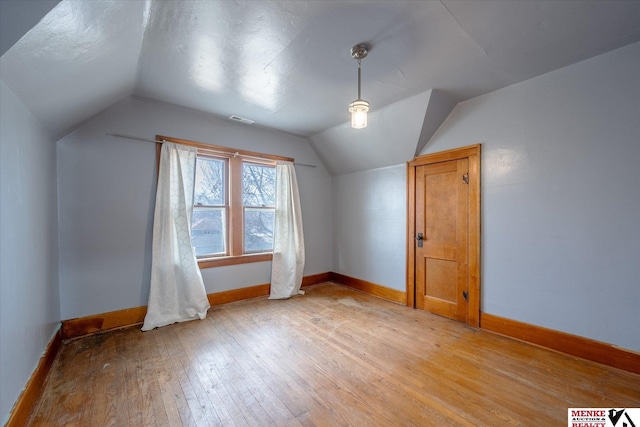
(369, 211)
(29, 295)
(560, 199)
(561, 196)
(106, 191)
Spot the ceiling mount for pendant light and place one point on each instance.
(359, 108)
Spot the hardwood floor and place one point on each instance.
(332, 357)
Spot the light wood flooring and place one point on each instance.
(333, 357)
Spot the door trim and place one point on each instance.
(471, 152)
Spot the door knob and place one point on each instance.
(419, 238)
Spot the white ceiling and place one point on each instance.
(286, 64)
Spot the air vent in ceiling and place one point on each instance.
(240, 119)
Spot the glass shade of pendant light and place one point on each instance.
(359, 108)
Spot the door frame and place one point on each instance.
(471, 152)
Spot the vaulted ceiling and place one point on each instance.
(286, 64)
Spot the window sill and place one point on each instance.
(234, 260)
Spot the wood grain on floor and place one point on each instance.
(332, 357)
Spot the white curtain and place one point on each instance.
(288, 239)
(177, 291)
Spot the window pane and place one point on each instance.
(259, 185)
(258, 230)
(209, 188)
(208, 231)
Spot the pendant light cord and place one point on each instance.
(359, 78)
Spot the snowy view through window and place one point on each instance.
(259, 201)
(209, 227)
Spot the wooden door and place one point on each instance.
(441, 254)
(443, 234)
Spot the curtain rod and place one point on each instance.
(236, 154)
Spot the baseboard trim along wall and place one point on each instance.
(393, 295)
(33, 389)
(82, 326)
(574, 345)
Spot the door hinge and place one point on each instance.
(465, 294)
(465, 178)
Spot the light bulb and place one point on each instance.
(359, 109)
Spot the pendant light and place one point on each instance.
(359, 108)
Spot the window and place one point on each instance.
(214, 203)
(211, 206)
(259, 206)
(234, 205)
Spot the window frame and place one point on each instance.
(235, 218)
(225, 202)
(243, 207)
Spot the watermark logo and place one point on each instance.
(603, 417)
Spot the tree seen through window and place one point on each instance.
(212, 206)
(259, 200)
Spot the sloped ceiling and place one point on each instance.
(390, 138)
(396, 133)
(286, 64)
(81, 58)
(17, 17)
